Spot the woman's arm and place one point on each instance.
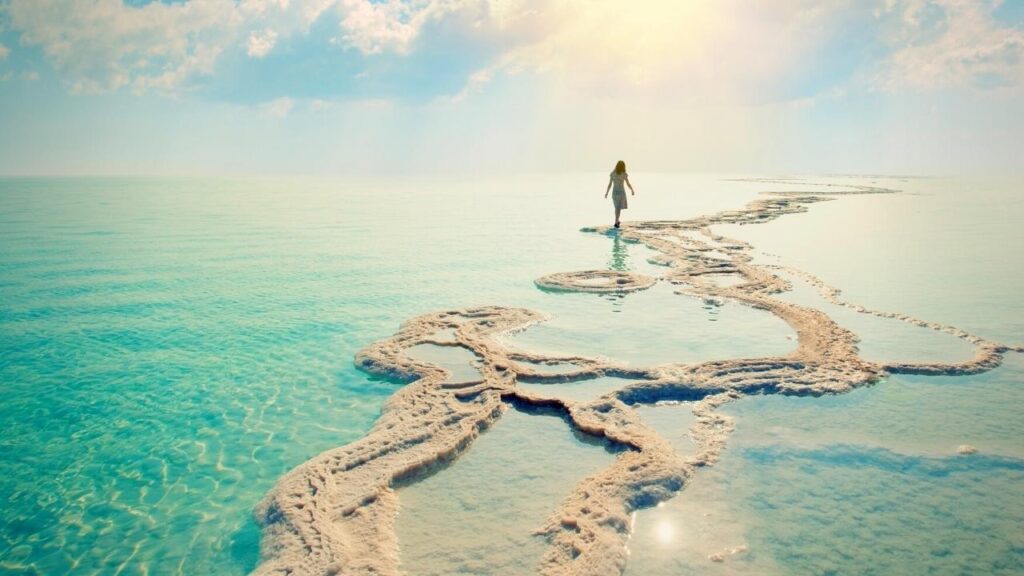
(630, 186)
(609, 187)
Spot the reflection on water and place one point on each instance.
(619, 260)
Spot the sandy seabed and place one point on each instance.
(335, 514)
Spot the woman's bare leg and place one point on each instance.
(617, 211)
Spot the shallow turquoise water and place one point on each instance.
(169, 347)
(479, 516)
(864, 483)
(870, 482)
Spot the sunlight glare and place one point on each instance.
(665, 532)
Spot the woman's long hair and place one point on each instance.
(620, 167)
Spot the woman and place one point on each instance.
(618, 177)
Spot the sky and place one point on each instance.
(229, 87)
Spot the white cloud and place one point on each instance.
(687, 51)
(732, 51)
(963, 46)
(684, 51)
(105, 44)
(391, 26)
(475, 83)
(278, 108)
(261, 43)
(318, 105)
(4, 51)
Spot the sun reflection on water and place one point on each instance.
(665, 532)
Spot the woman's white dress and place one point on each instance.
(619, 190)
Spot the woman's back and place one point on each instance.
(619, 179)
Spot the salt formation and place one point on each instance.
(335, 514)
(595, 281)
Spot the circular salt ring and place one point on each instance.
(600, 281)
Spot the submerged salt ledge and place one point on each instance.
(335, 513)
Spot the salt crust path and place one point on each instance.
(335, 514)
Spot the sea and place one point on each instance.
(170, 347)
